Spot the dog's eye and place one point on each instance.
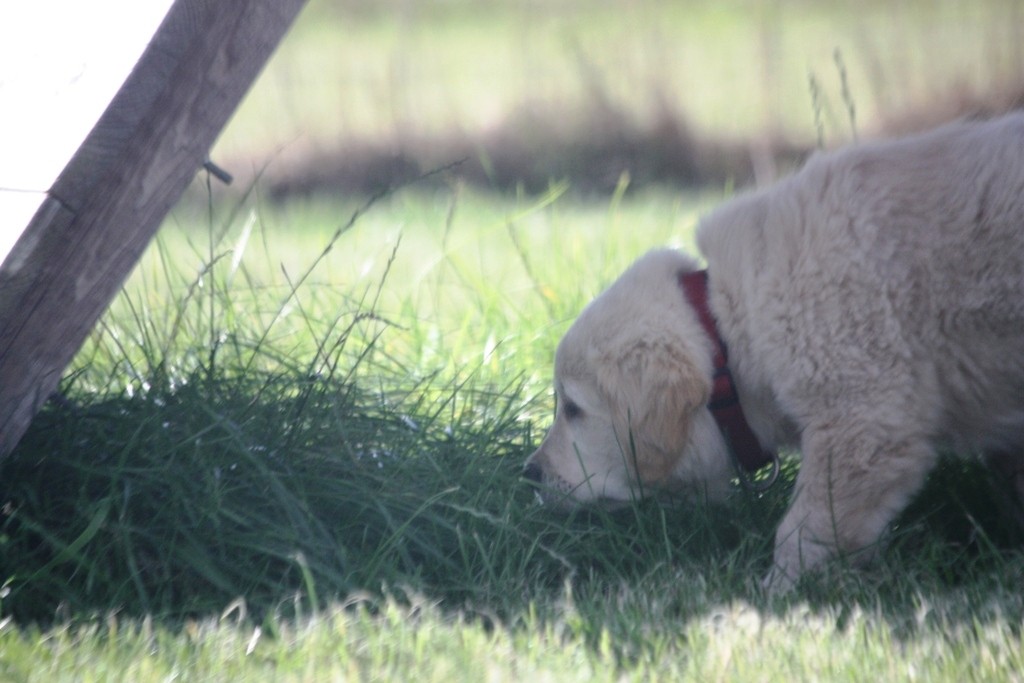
(572, 410)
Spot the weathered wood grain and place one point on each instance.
(109, 201)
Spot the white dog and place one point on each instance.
(868, 310)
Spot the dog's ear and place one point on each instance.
(653, 391)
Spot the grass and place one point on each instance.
(246, 400)
(733, 644)
(328, 458)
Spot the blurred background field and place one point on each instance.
(695, 92)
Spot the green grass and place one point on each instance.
(329, 458)
(734, 643)
(237, 391)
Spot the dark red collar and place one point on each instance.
(724, 403)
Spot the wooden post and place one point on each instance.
(112, 196)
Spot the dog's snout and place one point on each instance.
(533, 473)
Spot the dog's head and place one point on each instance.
(632, 381)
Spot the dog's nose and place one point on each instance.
(533, 473)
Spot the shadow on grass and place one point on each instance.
(178, 503)
(293, 495)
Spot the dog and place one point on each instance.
(867, 311)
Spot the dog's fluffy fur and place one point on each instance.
(873, 308)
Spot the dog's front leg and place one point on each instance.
(853, 481)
